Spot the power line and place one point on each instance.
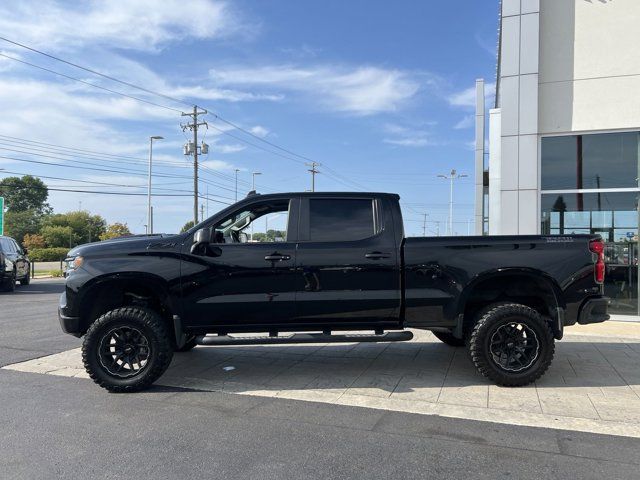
(89, 83)
(32, 187)
(97, 184)
(332, 173)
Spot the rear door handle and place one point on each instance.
(376, 255)
(277, 257)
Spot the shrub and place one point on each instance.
(32, 241)
(48, 254)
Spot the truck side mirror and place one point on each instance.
(201, 240)
(202, 244)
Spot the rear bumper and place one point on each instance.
(594, 310)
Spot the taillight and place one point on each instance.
(597, 247)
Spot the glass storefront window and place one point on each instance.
(614, 216)
(606, 160)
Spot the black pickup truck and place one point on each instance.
(342, 266)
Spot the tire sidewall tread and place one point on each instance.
(153, 327)
(481, 357)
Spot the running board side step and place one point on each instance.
(402, 336)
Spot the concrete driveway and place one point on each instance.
(593, 384)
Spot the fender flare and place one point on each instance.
(157, 284)
(557, 308)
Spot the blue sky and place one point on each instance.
(381, 93)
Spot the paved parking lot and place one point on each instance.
(205, 419)
(593, 384)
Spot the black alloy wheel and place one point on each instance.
(127, 349)
(124, 351)
(512, 344)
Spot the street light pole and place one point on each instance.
(253, 180)
(451, 177)
(149, 211)
(253, 188)
(237, 170)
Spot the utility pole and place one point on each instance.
(313, 171)
(237, 170)
(451, 177)
(193, 149)
(202, 212)
(424, 224)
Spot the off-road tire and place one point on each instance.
(188, 346)
(503, 315)
(26, 280)
(449, 339)
(147, 323)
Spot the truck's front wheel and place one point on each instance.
(512, 344)
(127, 349)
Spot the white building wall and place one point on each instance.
(519, 178)
(495, 206)
(589, 65)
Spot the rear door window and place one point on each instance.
(341, 219)
(5, 245)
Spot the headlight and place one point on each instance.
(74, 262)
(77, 262)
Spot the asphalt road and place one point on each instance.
(29, 325)
(55, 427)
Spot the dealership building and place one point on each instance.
(564, 136)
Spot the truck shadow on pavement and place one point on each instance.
(423, 371)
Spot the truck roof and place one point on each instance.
(324, 194)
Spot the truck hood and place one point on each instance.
(123, 244)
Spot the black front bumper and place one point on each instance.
(594, 310)
(70, 324)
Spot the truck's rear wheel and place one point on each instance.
(127, 349)
(512, 345)
(449, 339)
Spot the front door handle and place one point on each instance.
(377, 255)
(277, 257)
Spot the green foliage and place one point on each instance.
(48, 254)
(270, 236)
(187, 226)
(33, 240)
(26, 193)
(18, 224)
(116, 230)
(58, 236)
(84, 228)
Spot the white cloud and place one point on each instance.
(408, 142)
(407, 137)
(217, 165)
(465, 122)
(259, 131)
(359, 90)
(229, 148)
(467, 98)
(139, 25)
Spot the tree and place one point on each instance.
(33, 240)
(270, 236)
(187, 226)
(58, 236)
(116, 230)
(84, 227)
(26, 193)
(18, 224)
